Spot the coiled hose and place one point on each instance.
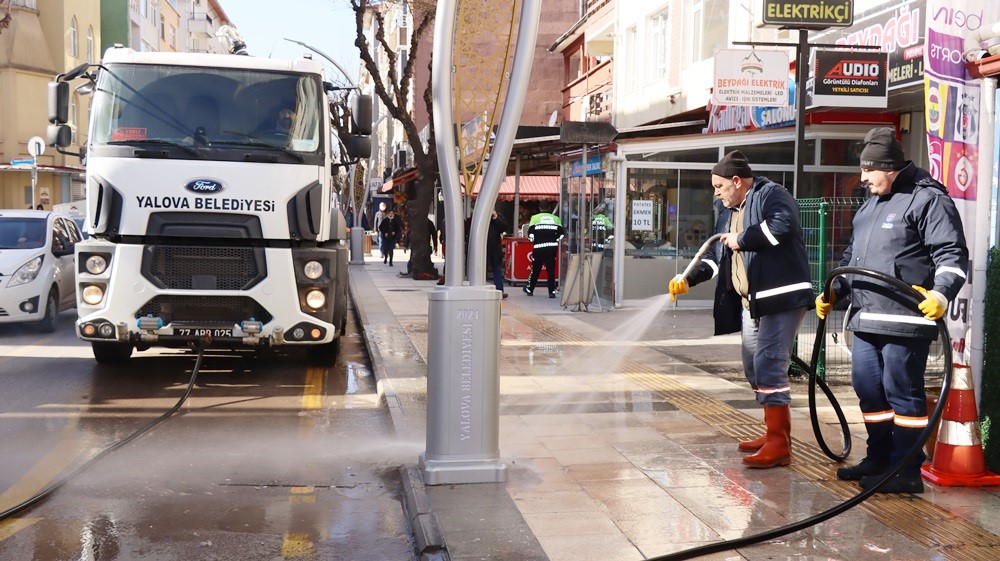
(810, 370)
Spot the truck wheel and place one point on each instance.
(50, 320)
(111, 353)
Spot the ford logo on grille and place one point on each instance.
(204, 186)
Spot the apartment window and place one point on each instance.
(72, 118)
(659, 43)
(172, 36)
(90, 44)
(403, 55)
(632, 60)
(143, 8)
(163, 28)
(710, 28)
(74, 38)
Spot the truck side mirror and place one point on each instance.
(361, 114)
(359, 147)
(58, 102)
(58, 135)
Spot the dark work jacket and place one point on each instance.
(775, 255)
(914, 233)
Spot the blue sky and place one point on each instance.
(327, 25)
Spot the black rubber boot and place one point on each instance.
(898, 484)
(866, 468)
(877, 458)
(908, 480)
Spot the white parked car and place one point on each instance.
(37, 266)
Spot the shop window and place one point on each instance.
(700, 155)
(777, 153)
(841, 152)
(683, 216)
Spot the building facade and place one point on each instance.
(44, 38)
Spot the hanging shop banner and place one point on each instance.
(952, 118)
(850, 79)
(808, 13)
(896, 27)
(751, 77)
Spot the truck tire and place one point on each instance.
(50, 320)
(111, 353)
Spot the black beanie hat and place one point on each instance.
(733, 164)
(882, 150)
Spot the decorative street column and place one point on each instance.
(463, 350)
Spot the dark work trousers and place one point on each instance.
(767, 349)
(888, 375)
(544, 256)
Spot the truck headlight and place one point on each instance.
(313, 270)
(27, 272)
(315, 299)
(93, 294)
(96, 264)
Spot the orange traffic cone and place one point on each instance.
(958, 455)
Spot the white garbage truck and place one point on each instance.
(209, 203)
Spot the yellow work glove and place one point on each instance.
(934, 305)
(823, 307)
(678, 286)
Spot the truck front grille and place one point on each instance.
(203, 268)
(204, 310)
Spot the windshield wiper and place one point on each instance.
(259, 142)
(158, 142)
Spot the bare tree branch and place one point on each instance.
(393, 89)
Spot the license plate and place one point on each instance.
(203, 332)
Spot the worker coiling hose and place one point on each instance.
(199, 347)
(810, 370)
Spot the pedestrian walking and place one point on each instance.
(391, 228)
(763, 290)
(909, 229)
(545, 231)
(379, 217)
(494, 248)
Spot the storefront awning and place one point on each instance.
(398, 180)
(532, 187)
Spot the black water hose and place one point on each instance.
(59, 483)
(935, 417)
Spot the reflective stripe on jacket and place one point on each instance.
(914, 233)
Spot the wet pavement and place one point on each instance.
(282, 458)
(619, 432)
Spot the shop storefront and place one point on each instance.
(665, 190)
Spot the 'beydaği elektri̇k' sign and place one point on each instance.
(813, 14)
(851, 79)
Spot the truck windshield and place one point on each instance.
(207, 107)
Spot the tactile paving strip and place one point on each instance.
(923, 522)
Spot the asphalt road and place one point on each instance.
(280, 458)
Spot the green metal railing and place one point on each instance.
(826, 227)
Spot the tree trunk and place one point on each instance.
(417, 213)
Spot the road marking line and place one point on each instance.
(296, 545)
(312, 394)
(42, 473)
(12, 526)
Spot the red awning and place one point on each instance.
(399, 180)
(532, 187)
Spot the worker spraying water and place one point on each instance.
(763, 291)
